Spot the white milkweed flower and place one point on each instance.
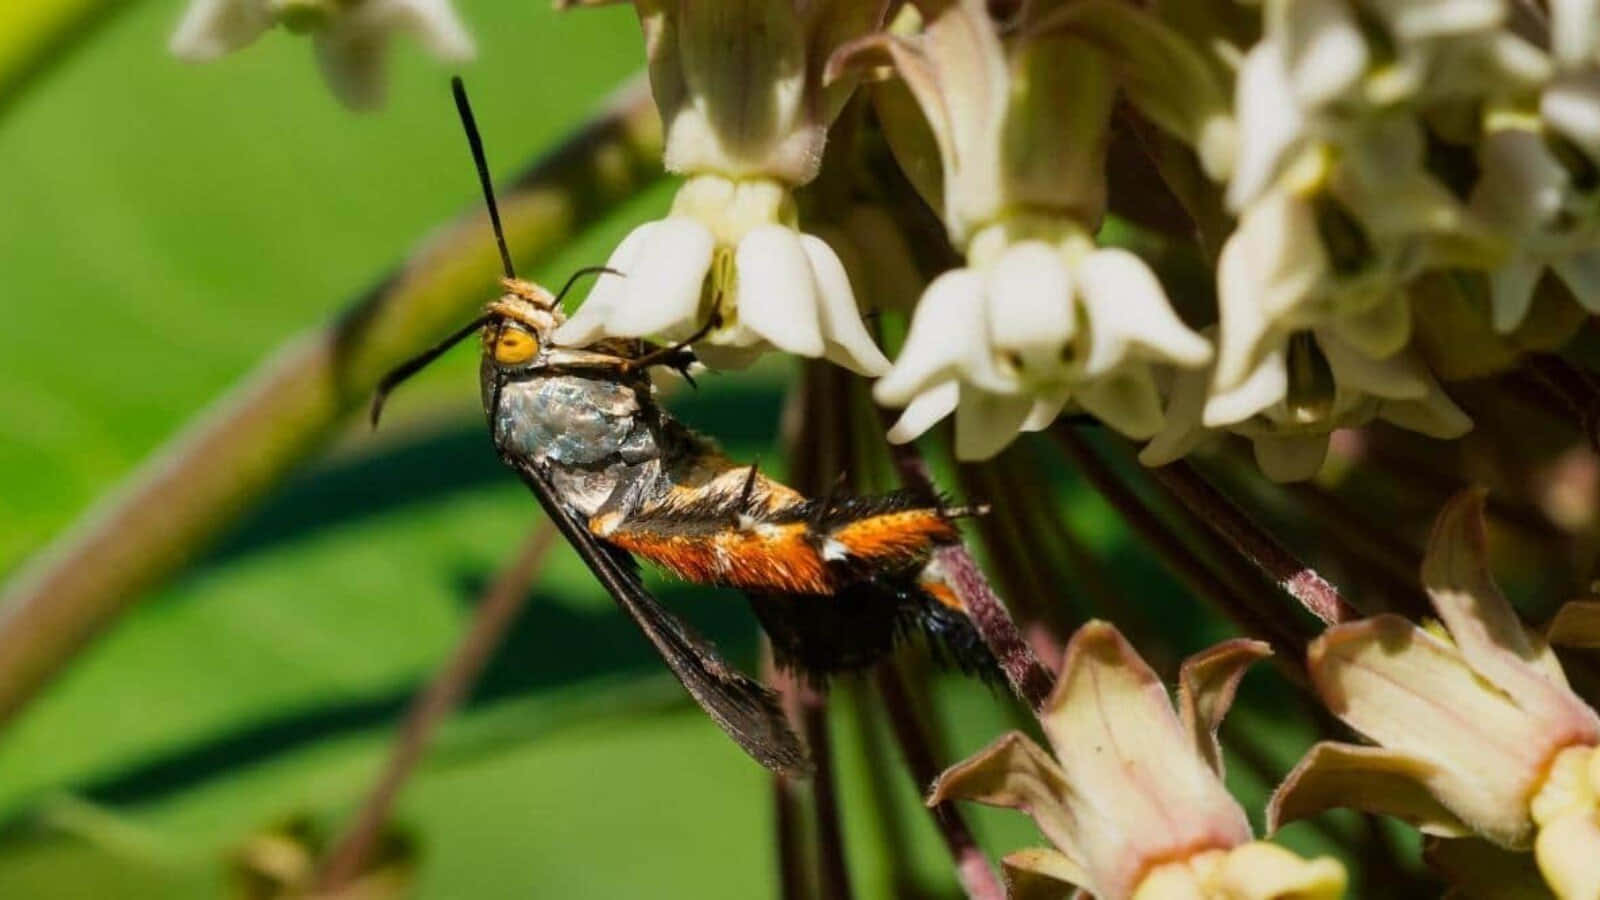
(1297, 396)
(1540, 181)
(1009, 147)
(740, 91)
(351, 37)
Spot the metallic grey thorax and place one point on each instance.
(570, 420)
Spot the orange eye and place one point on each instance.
(514, 347)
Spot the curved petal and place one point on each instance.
(1511, 293)
(1455, 573)
(1270, 265)
(1380, 331)
(1040, 873)
(1129, 315)
(1580, 272)
(587, 325)
(1415, 695)
(1576, 624)
(1435, 415)
(1262, 871)
(1182, 430)
(1126, 400)
(1139, 791)
(946, 329)
(1270, 122)
(434, 23)
(1030, 309)
(777, 292)
(1324, 49)
(1207, 682)
(1047, 405)
(847, 342)
(1369, 779)
(352, 62)
(213, 28)
(1261, 388)
(924, 410)
(1290, 457)
(1016, 773)
(663, 289)
(1400, 377)
(986, 422)
(1566, 853)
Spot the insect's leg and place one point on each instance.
(671, 355)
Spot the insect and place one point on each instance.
(835, 581)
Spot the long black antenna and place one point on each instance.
(417, 363)
(470, 125)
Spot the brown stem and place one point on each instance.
(1252, 542)
(973, 868)
(495, 613)
(832, 870)
(1028, 677)
(225, 461)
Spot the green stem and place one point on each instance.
(220, 465)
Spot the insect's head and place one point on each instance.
(519, 324)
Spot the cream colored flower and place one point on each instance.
(739, 87)
(350, 36)
(1133, 799)
(1297, 396)
(1005, 135)
(1476, 730)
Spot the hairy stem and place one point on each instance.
(494, 615)
(216, 470)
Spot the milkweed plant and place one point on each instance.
(1302, 289)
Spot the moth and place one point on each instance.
(834, 581)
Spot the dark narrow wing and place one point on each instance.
(741, 706)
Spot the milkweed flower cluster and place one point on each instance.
(1334, 156)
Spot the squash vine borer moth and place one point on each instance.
(834, 581)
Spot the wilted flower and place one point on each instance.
(350, 36)
(739, 87)
(1477, 730)
(1133, 799)
(1016, 128)
(1297, 396)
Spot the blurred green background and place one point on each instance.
(163, 226)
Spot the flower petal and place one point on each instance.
(946, 330)
(1263, 871)
(1324, 50)
(1415, 694)
(1129, 315)
(1369, 779)
(1182, 431)
(1511, 293)
(1140, 792)
(433, 22)
(1269, 266)
(1455, 573)
(777, 292)
(1040, 873)
(1030, 309)
(1576, 624)
(847, 342)
(1400, 377)
(1270, 122)
(1580, 272)
(1290, 457)
(1566, 853)
(986, 423)
(1126, 400)
(587, 325)
(1435, 415)
(1267, 384)
(924, 410)
(212, 28)
(1016, 773)
(1207, 682)
(1380, 331)
(352, 62)
(664, 287)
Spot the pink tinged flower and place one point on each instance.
(1132, 797)
(351, 38)
(1471, 726)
